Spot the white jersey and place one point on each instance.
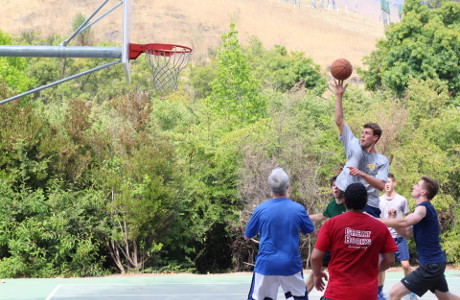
(399, 203)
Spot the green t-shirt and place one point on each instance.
(333, 209)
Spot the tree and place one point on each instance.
(13, 76)
(423, 45)
(235, 91)
(283, 71)
(138, 177)
(84, 38)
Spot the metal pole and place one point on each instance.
(98, 19)
(61, 51)
(83, 24)
(59, 82)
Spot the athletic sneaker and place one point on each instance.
(412, 296)
(381, 296)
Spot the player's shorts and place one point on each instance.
(427, 277)
(373, 211)
(326, 258)
(265, 287)
(403, 249)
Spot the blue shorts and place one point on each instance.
(373, 211)
(403, 249)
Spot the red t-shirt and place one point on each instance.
(355, 241)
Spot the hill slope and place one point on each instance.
(322, 34)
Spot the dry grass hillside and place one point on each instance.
(322, 34)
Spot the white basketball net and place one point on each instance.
(166, 66)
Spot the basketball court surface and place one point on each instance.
(168, 287)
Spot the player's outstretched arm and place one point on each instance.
(405, 232)
(404, 226)
(339, 91)
(317, 217)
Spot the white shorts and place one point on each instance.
(266, 286)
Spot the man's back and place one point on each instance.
(278, 221)
(355, 240)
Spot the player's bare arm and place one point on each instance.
(404, 226)
(339, 91)
(375, 182)
(405, 232)
(319, 276)
(317, 218)
(388, 259)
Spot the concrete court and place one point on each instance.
(167, 287)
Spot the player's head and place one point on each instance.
(355, 196)
(390, 185)
(371, 134)
(427, 187)
(336, 192)
(278, 181)
(332, 180)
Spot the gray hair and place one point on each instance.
(278, 181)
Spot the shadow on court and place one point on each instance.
(169, 287)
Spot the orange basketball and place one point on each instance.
(341, 69)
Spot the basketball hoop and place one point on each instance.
(166, 61)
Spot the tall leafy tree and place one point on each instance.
(85, 38)
(423, 45)
(284, 71)
(235, 90)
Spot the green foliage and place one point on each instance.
(235, 91)
(44, 70)
(21, 136)
(285, 71)
(97, 177)
(201, 78)
(84, 38)
(274, 69)
(50, 235)
(97, 86)
(13, 71)
(424, 45)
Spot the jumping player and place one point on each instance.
(363, 164)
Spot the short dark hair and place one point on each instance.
(332, 180)
(431, 186)
(376, 130)
(390, 175)
(355, 196)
